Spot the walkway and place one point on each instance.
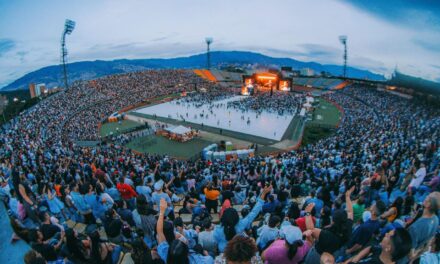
(10, 253)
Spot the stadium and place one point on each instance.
(222, 164)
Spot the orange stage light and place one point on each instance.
(264, 77)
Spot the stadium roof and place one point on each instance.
(414, 83)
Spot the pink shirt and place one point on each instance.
(277, 253)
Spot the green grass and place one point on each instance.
(314, 134)
(326, 114)
(160, 145)
(324, 126)
(117, 128)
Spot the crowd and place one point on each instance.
(124, 90)
(279, 102)
(366, 194)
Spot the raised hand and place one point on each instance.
(309, 207)
(163, 205)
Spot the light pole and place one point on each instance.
(69, 25)
(343, 40)
(208, 41)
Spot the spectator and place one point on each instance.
(268, 233)
(289, 250)
(424, 229)
(394, 246)
(240, 250)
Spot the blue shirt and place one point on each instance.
(95, 203)
(114, 193)
(270, 207)
(156, 200)
(265, 235)
(219, 234)
(194, 258)
(80, 203)
(364, 232)
(319, 204)
(423, 230)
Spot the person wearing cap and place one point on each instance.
(158, 194)
(291, 248)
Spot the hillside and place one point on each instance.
(86, 70)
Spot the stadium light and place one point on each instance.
(343, 40)
(208, 41)
(69, 26)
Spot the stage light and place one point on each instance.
(69, 26)
(267, 77)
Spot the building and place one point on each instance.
(3, 103)
(307, 72)
(32, 90)
(37, 90)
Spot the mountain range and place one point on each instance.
(86, 70)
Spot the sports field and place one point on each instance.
(323, 124)
(326, 114)
(160, 145)
(116, 128)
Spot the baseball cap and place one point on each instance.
(291, 233)
(158, 185)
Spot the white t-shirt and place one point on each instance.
(420, 175)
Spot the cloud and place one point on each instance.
(307, 51)
(6, 45)
(409, 12)
(159, 39)
(136, 50)
(427, 45)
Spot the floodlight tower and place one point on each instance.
(69, 25)
(343, 40)
(208, 41)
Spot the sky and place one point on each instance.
(382, 34)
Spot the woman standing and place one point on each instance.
(25, 195)
(212, 195)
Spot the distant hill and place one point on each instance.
(86, 70)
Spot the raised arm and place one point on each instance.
(169, 183)
(364, 252)
(160, 235)
(391, 211)
(257, 208)
(23, 194)
(309, 220)
(348, 203)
